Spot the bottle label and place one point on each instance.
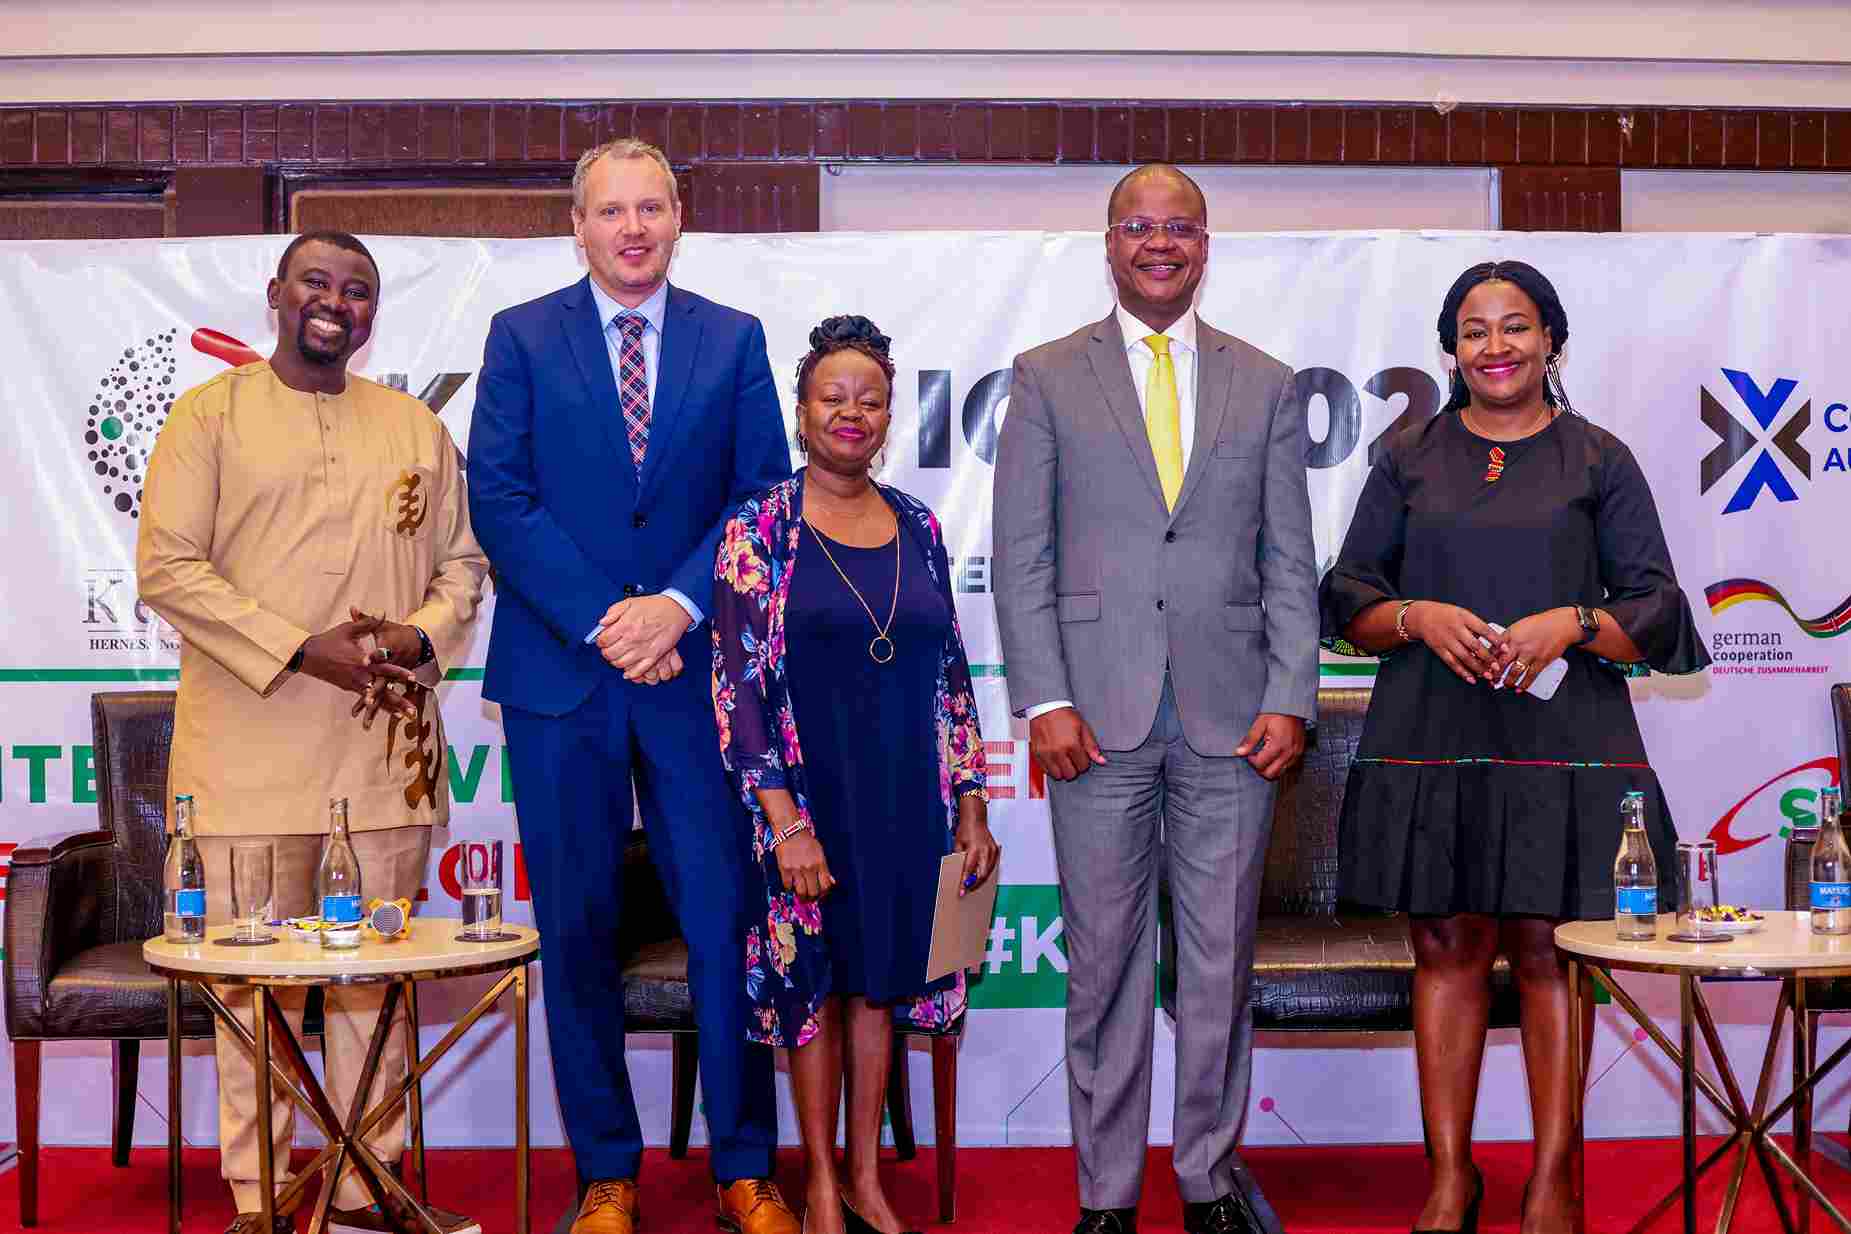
(340, 910)
(190, 903)
(1831, 895)
(1636, 901)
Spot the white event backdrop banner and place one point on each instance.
(1719, 359)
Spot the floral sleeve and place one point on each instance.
(750, 743)
(965, 756)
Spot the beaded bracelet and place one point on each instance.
(1401, 621)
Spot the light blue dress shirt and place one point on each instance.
(652, 312)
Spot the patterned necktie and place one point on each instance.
(1163, 419)
(633, 385)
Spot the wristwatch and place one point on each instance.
(426, 653)
(1590, 624)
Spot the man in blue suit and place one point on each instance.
(617, 424)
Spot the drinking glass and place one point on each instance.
(481, 875)
(1697, 889)
(253, 868)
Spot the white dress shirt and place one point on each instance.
(652, 312)
(1138, 353)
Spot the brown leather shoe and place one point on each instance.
(609, 1207)
(755, 1206)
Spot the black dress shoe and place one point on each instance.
(1227, 1215)
(1107, 1221)
(1470, 1224)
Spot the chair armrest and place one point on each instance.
(1799, 868)
(56, 886)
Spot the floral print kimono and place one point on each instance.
(787, 959)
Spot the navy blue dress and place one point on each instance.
(877, 812)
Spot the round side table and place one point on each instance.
(431, 951)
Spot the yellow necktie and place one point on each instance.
(1163, 419)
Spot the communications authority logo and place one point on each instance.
(1738, 440)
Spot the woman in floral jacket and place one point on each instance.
(859, 652)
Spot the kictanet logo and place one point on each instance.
(1775, 806)
(1738, 440)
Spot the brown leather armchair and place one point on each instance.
(79, 906)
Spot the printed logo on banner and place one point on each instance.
(1025, 964)
(1764, 652)
(1738, 440)
(121, 422)
(1775, 806)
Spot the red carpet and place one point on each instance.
(1344, 1190)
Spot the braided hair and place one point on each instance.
(1532, 283)
(849, 332)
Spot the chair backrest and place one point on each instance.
(1301, 861)
(134, 732)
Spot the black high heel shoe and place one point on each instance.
(856, 1223)
(1470, 1224)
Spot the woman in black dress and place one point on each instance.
(1484, 811)
(847, 722)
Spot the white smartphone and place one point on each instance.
(1544, 684)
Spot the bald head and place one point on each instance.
(1154, 172)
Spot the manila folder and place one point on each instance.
(960, 925)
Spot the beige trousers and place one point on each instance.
(392, 865)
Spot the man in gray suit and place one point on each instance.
(1157, 599)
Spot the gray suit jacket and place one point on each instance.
(1098, 586)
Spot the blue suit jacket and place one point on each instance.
(555, 501)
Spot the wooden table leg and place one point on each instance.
(1578, 1014)
(173, 1106)
(416, 1104)
(1802, 1108)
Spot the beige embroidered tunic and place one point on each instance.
(267, 512)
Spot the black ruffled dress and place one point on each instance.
(1463, 799)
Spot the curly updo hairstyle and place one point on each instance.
(849, 332)
(1532, 283)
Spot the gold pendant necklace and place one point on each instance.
(880, 642)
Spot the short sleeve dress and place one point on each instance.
(1463, 799)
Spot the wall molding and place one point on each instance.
(516, 134)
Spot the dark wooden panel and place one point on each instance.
(81, 218)
(1257, 134)
(1112, 134)
(970, 127)
(1673, 148)
(1606, 138)
(1570, 144)
(938, 138)
(1291, 134)
(1008, 133)
(1150, 135)
(190, 135)
(1430, 131)
(1395, 142)
(402, 133)
(1041, 134)
(864, 131)
(295, 133)
(758, 131)
(1838, 139)
(684, 132)
(437, 131)
(122, 134)
(649, 122)
(831, 137)
(221, 201)
(722, 133)
(580, 131)
(331, 132)
(1536, 137)
(1808, 139)
(545, 128)
(797, 130)
(157, 134)
(449, 210)
(1500, 135)
(1559, 198)
(225, 135)
(1076, 135)
(16, 137)
(900, 132)
(1465, 137)
(1361, 135)
(51, 137)
(1706, 138)
(87, 137)
(1774, 139)
(1741, 138)
(1221, 134)
(1325, 141)
(510, 129)
(754, 197)
(366, 132)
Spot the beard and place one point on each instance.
(315, 351)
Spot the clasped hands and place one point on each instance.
(1062, 743)
(341, 657)
(637, 636)
(1513, 658)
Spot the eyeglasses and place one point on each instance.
(1181, 230)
